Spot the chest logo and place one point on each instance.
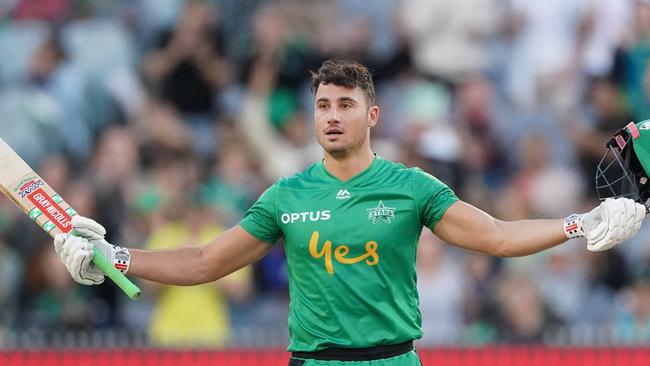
(313, 216)
(381, 213)
(340, 253)
(343, 194)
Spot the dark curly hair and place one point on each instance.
(345, 73)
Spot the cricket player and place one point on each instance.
(350, 223)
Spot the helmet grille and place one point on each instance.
(619, 173)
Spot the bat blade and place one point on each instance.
(32, 194)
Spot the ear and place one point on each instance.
(373, 116)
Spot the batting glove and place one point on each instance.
(612, 222)
(76, 253)
(94, 232)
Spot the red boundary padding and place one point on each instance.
(481, 356)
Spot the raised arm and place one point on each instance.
(610, 223)
(228, 252)
(278, 157)
(468, 227)
(189, 265)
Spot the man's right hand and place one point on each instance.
(76, 251)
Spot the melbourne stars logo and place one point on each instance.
(382, 213)
(645, 125)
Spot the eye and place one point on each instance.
(347, 105)
(322, 107)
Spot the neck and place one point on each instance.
(346, 167)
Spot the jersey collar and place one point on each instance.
(369, 171)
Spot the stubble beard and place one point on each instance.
(339, 152)
(342, 152)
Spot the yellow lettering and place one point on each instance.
(371, 251)
(340, 253)
(327, 251)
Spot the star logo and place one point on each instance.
(382, 213)
(645, 125)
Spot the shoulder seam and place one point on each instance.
(275, 206)
(415, 197)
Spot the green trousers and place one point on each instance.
(406, 359)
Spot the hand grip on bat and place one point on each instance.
(131, 290)
(99, 260)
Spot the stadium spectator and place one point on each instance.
(209, 327)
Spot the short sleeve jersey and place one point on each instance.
(350, 250)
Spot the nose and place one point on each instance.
(333, 115)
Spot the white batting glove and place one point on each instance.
(612, 222)
(94, 232)
(77, 255)
(87, 228)
(76, 251)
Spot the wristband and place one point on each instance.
(121, 259)
(573, 226)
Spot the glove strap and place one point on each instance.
(121, 259)
(573, 226)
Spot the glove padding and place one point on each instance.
(77, 255)
(94, 232)
(76, 251)
(614, 221)
(87, 228)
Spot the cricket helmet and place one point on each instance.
(624, 170)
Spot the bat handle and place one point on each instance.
(131, 290)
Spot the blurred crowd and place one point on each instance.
(165, 120)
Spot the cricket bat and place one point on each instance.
(47, 209)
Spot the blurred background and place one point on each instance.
(165, 119)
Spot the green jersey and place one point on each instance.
(350, 250)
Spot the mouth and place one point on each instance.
(333, 131)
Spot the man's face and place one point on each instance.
(342, 118)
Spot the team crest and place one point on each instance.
(645, 125)
(381, 213)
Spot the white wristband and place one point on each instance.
(573, 226)
(121, 259)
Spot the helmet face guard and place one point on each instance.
(623, 170)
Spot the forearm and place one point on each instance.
(609, 224)
(525, 237)
(233, 249)
(158, 64)
(468, 227)
(180, 266)
(269, 146)
(191, 265)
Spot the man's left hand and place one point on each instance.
(614, 221)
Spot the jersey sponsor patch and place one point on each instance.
(307, 216)
(341, 252)
(381, 213)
